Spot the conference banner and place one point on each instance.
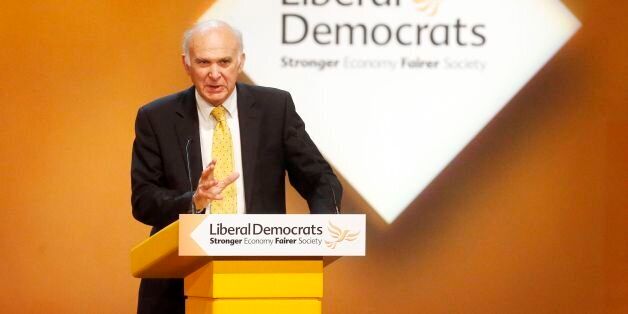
(392, 90)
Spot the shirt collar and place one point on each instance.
(230, 104)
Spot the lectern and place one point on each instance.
(233, 284)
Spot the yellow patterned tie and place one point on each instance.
(222, 151)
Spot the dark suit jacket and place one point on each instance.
(273, 141)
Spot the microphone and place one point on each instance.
(187, 159)
(333, 194)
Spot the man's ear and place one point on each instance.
(185, 65)
(242, 59)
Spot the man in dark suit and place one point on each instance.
(175, 169)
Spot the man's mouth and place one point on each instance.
(214, 88)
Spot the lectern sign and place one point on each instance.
(272, 235)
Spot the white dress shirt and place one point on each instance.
(206, 125)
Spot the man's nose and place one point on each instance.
(214, 74)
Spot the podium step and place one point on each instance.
(259, 306)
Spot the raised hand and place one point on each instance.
(209, 188)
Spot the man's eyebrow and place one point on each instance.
(200, 59)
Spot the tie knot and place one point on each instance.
(219, 113)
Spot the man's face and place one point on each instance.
(215, 62)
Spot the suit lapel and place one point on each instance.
(248, 115)
(187, 129)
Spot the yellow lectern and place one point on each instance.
(232, 285)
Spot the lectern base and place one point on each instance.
(271, 285)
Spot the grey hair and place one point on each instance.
(204, 26)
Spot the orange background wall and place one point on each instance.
(531, 217)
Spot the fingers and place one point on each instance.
(208, 184)
(208, 195)
(230, 178)
(209, 188)
(203, 196)
(208, 172)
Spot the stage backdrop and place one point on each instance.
(528, 216)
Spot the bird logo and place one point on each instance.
(339, 235)
(429, 7)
